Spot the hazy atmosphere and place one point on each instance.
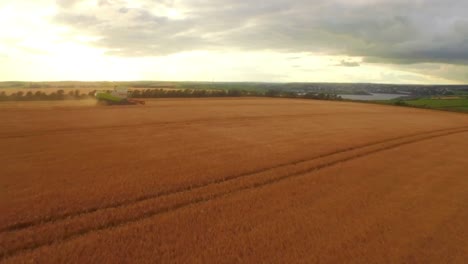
(385, 41)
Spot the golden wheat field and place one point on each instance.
(253, 180)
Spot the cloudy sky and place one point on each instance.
(385, 41)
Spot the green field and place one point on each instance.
(447, 103)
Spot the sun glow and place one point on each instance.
(33, 46)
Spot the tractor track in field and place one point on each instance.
(226, 183)
(73, 130)
(32, 223)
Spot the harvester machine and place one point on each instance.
(119, 96)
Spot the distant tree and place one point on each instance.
(29, 96)
(18, 96)
(52, 96)
(92, 93)
(289, 94)
(146, 93)
(253, 93)
(60, 94)
(3, 96)
(136, 94)
(234, 92)
(400, 103)
(37, 95)
(202, 93)
(272, 93)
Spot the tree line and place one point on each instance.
(187, 93)
(163, 93)
(42, 96)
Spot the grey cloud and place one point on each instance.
(447, 71)
(103, 2)
(401, 78)
(386, 31)
(123, 10)
(78, 20)
(66, 3)
(346, 63)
